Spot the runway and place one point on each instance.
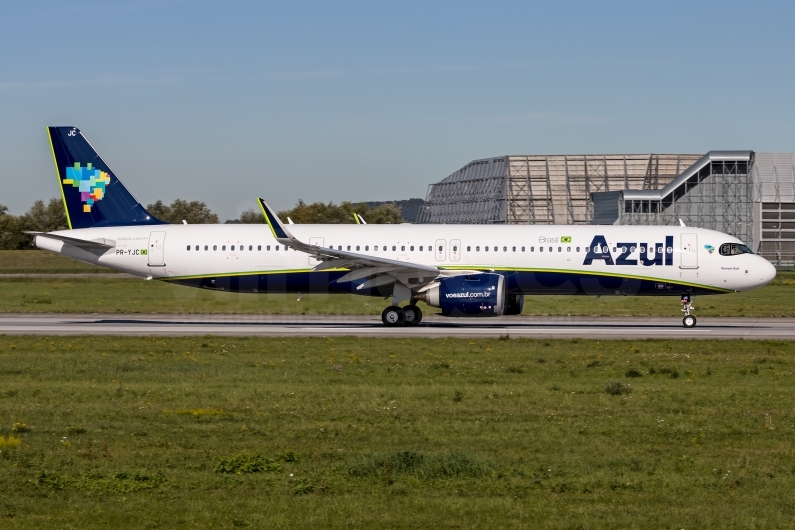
(370, 326)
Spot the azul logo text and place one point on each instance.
(631, 253)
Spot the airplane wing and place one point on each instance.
(379, 271)
(96, 244)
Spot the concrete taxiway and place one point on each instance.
(371, 326)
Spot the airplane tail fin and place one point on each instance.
(92, 194)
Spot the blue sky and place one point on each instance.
(225, 101)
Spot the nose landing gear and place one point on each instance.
(689, 321)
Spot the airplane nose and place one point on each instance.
(767, 272)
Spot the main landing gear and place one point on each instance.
(689, 321)
(394, 316)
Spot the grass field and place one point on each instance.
(106, 294)
(368, 433)
(42, 262)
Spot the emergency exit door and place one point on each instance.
(440, 249)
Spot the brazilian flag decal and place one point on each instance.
(144, 252)
(565, 239)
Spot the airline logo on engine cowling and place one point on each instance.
(629, 253)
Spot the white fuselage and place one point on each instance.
(689, 257)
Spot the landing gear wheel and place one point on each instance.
(689, 321)
(413, 315)
(393, 316)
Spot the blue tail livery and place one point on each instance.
(92, 194)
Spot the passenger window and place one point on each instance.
(541, 249)
(411, 248)
(550, 249)
(455, 248)
(477, 249)
(522, 249)
(215, 247)
(468, 249)
(485, 249)
(587, 249)
(403, 247)
(367, 247)
(420, 248)
(339, 247)
(440, 248)
(276, 247)
(514, 249)
(568, 249)
(233, 247)
(614, 249)
(642, 249)
(251, 247)
(578, 249)
(560, 249)
(394, 248)
(259, 247)
(348, 247)
(205, 247)
(223, 247)
(357, 247)
(505, 249)
(188, 247)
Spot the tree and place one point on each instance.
(11, 237)
(322, 213)
(39, 218)
(194, 212)
(252, 217)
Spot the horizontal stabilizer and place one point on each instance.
(95, 244)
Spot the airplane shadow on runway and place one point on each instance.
(425, 325)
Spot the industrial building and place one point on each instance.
(746, 194)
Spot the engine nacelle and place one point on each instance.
(477, 295)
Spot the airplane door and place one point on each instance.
(155, 251)
(441, 249)
(689, 251)
(317, 241)
(455, 250)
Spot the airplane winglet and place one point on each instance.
(276, 226)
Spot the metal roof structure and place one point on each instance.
(543, 189)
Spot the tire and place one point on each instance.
(413, 315)
(689, 321)
(393, 316)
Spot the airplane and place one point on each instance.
(464, 270)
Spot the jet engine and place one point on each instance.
(479, 295)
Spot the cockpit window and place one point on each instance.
(733, 249)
